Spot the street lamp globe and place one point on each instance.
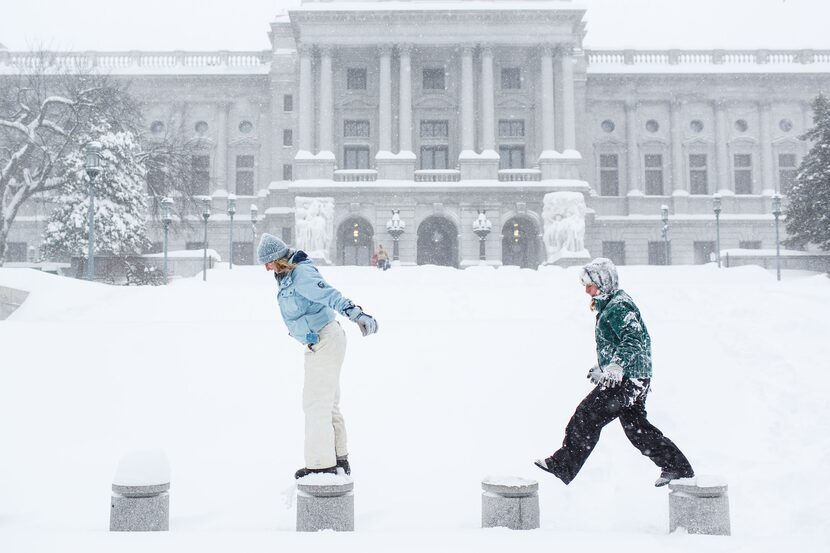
(92, 158)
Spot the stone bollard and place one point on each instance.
(510, 502)
(700, 505)
(140, 493)
(325, 502)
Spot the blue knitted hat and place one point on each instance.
(270, 249)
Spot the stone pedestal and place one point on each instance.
(510, 502)
(395, 166)
(700, 505)
(311, 167)
(556, 165)
(483, 166)
(140, 508)
(325, 502)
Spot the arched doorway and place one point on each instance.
(519, 243)
(355, 242)
(437, 242)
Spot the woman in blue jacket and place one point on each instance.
(308, 305)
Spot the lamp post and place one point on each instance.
(776, 212)
(205, 216)
(716, 205)
(481, 228)
(356, 236)
(92, 165)
(231, 211)
(395, 227)
(664, 215)
(166, 218)
(254, 211)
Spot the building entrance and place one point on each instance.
(437, 242)
(520, 243)
(355, 242)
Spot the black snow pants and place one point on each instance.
(603, 405)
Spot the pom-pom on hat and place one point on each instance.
(602, 272)
(271, 248)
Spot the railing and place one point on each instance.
(355, 175)
(134, 60)
(706, 57)
(520, 175)
(437, 175)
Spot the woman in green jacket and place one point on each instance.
(622, 377)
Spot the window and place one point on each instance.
(356, 157)
(287, 172)
(435, 129)
(608, 126)
(704, 252)
(512, 157)
(657, 253)
(194, 245)
(356, 78)
(243, 253)
(749, 244)
(653, 164)
(288, 235)
(787, 170)
(652, 125)
(287, 102)
(356, 128)
(511, 78)
(287, 137)
(200, 174)
(435, 157)
(785, 125)
(615, 251)
(16, 252)
(245, 127)
(696, 126)
(434, 78)
(741, 125)
(698, 174)
(609, 174)
(157, 128)
(155, 180)
(201, 127)
(245, 175)
(509, 128)
(742, 167)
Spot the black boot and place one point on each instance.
(343, 463)
(666, 477)
(305, 472)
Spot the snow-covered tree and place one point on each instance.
(120, 200)
(808, 211)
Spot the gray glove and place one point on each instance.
(367, 323)
(595, 374)
(612, 376)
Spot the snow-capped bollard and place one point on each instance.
(510, 502)
(700, 505)
(140, 493)
(325, 502)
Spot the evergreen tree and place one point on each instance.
(808, 211)
(120, 202)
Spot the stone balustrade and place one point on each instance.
(520, 175)
(705, 57)
(437, 175)
(355, 175)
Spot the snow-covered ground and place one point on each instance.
(473, 373)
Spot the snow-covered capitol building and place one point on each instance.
(366, 116)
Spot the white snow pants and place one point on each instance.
(325, 431)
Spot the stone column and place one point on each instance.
(677, 173)
(467, 101)
(385, 104)
(306, 100)
(722, 149)
(326, 101)
(633, 148)
(488, 101)
(222, 146)
(325, 503)
(566, 73)
(510, 502)
(405, 107)
(700, 506)
(548, 128)
(768, 180)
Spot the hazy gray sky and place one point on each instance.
(243, 24)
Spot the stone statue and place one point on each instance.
(313, 222)
(564, 218)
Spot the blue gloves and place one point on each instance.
(595, 374)
(612, 376)
(367, 323)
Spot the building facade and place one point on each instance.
(436, 113)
